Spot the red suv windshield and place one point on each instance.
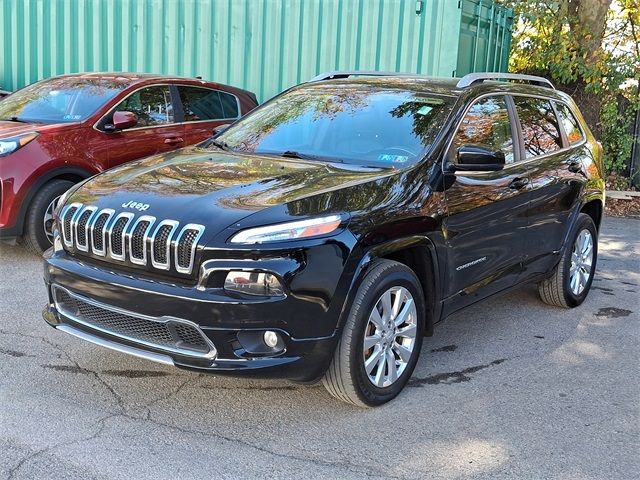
(59, 100)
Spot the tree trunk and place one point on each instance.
(587, 22)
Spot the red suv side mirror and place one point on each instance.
(123, 120)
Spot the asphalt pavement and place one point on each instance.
(510, 388)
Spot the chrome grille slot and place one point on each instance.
(80, 226)
(117, 233)
(163, 333)
(186, 247)
(67, 222)
(98, 231)
(161, 243)
(138, 239)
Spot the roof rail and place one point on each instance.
(474, 78)
(352, 73)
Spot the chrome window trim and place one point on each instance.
(113, 109)
(78, 205)
(189, 226)
(211, 355)
(79, 246)
(174, 123)
(522, 161)
(174, 229)
(94, 250)
(143, 260)
(129, 217)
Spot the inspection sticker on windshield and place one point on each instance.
(386, 157)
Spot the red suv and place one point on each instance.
(60, 131)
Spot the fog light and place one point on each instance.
(270, 339)
(253, 283)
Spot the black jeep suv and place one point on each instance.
(325, 233)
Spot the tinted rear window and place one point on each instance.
(207, 104)
(569, 123)
(540, 130)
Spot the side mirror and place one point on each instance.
(123, 120)
(476, 158)
(220, 128)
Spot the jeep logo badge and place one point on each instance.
(138, 206)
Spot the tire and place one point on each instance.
(35, 239)
(346, 379)
(559, 290)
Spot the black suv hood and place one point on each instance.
(202, 186)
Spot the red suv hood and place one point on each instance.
(12, 129)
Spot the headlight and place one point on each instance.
(289, 231)
(10, 145)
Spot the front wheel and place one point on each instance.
(571, 280)
(382, 337)
(38, 235)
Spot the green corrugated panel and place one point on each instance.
(262, 45)
(485, 37)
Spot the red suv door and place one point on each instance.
(155, 132)
(204, 109)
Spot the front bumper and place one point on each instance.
(306, 322)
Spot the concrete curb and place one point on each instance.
(621, 195)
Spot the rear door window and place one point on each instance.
(569, 123)
(540, 131)
(152, 105)
(207, 104)
(487, 124)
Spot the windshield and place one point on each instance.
(59, 100)
(351, 123)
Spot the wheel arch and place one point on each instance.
(72, 174)
(594, 209)
(419, 254)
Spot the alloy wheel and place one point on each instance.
(48, 219)
(390, 336)
(581, 262)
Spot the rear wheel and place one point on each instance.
(38, 235)
(382, 337)
(571, 280)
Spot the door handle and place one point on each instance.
(173, 140)
(518, 183)
(575, 167)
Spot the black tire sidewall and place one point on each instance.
(34, 227)
(584, 222)
(371, 394)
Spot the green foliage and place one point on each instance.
(556, 38)
(615, 136)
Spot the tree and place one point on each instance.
(590, 49)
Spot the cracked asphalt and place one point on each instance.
(510, 388)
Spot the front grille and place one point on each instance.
(121, 237)
(173, 335)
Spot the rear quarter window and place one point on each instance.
(207, 104)
(540, 130)
(569, 123)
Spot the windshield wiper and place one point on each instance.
(306, 156)
(13, 119)
(221, 145)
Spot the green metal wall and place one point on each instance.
(261, 45)
(485, 37)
